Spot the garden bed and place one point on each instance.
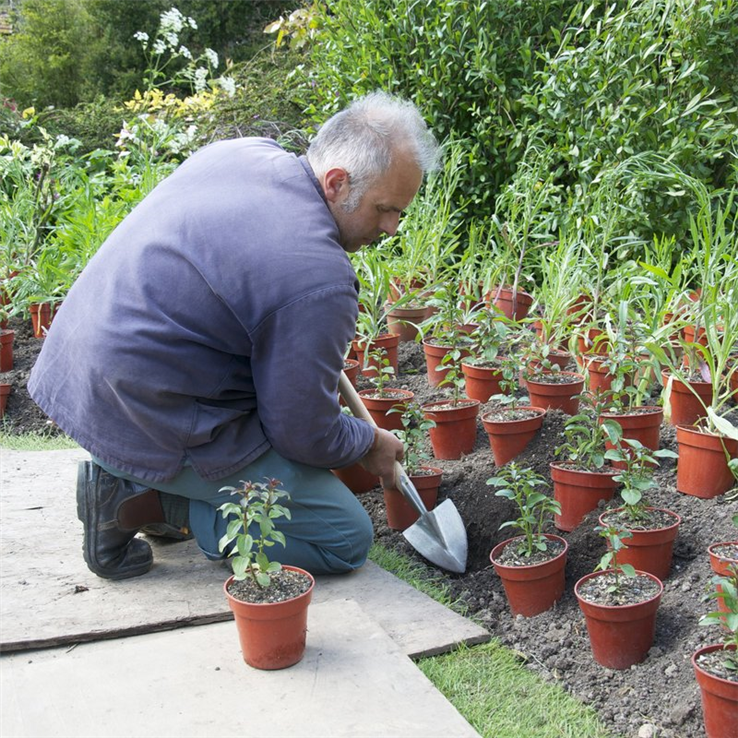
(661, 691)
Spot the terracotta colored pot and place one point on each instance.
(379, 407)
(400, 513)
(686, 409)
(398, 290)
(6, 350)
(588, 343)
(4, 393)
(719, 698)
(433, 357)
(720, 563)
(404, 322)
(649, 550)
(351, 370)
(481, 381)
(644, 427)
(41, 316)
(533, 589)
(578, 493)
(702, 469)
(514, 309)
(388, 341)
(557, 396)
(600, 379)
(690, 337)
(508, 438)
(620, 636)
(456, 427)
(357, 478)
(272, 635)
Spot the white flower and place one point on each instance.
(172, 39)
(192, 23)
(185, 52)
(212, 58)
(171, 20)
(201, 76)
(228, 84)
(159, 46)
(141, 36)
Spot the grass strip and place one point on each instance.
(35, 442)
(497, 695)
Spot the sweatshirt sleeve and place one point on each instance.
(296, 360)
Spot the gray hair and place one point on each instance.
(363, 138)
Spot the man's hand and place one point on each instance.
(381, 458)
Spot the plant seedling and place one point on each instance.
(614, 537)
(586, 437)
(259, 504)
(486, 339)
(378, 358)
(534, 507)
(415, 427)
(637, 477)
(451, 364)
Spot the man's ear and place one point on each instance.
(335, 184)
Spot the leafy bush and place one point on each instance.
(465, 64)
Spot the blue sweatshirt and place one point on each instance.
(211, 325)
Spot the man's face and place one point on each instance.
(380, 208)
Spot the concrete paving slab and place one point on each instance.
(353, 681)
(49, 597)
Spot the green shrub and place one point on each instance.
(465, 64)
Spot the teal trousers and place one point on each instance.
(329, 531)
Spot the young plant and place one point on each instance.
(258, 504)
(385, 371)
(454, 379)
(614, 538)
(536, 361)
(727, 617)
(415, 427)
(491, 332)
(373, 269)
(510, 367)
(534, 507)
(637, 477)
(586, 437)
(625, 363)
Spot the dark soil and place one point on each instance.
(661, 691)
(286, 584)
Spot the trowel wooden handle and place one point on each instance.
(353, 401)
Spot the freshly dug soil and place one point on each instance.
(661, 691)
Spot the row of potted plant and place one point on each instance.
(620, 599)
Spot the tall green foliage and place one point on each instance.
(465, 63)
(635, 79)
(45, 59)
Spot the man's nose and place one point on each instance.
(390, 222)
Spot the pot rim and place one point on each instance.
(652, 410)
(540, 413)
(646, 530)
(718, 556)
(709, 649)
(579, 378)
(503, 544)
(595, 574)
(289, 567)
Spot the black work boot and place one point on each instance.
(112, 510)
